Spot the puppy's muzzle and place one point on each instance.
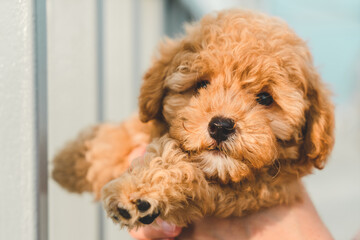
(221, 128)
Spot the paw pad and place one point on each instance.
(148, 219)
(142, 205)
(124, 213)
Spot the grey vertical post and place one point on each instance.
(41, 124)
(100, 59)
(23, 120)
(100, 90)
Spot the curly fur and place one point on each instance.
(100, 154)
(186, 174)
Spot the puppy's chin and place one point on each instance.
(217, 165)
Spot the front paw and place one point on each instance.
(125, 214)
(127, 205)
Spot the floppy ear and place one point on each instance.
(319, 129)
(152, 90)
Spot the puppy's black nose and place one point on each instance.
(221, 128)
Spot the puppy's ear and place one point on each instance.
(152, 90)
(319, 129)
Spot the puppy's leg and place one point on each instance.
(70, 166)
(99, 155)
(165, 185)
(252, 196)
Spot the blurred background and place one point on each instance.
(96, 53)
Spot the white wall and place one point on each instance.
(72, 101)
(23, 182)
(131, 30)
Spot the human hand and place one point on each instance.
(163, 231)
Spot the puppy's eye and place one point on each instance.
(201, 84)
(264, 98)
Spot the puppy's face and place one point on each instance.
(240, 92)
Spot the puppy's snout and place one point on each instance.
(221, 128)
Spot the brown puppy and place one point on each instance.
(235, 114)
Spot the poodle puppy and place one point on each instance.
(233, 114)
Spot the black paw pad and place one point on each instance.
(124, 213)
(149, 218)
(142, 205)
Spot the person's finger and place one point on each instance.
(137, 152)
(149, 232)
(135, 162)
(164, 230)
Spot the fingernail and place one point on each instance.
(167, 227)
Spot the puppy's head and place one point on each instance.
(240, 92)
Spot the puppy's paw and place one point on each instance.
(126, 205)
(131, 214)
